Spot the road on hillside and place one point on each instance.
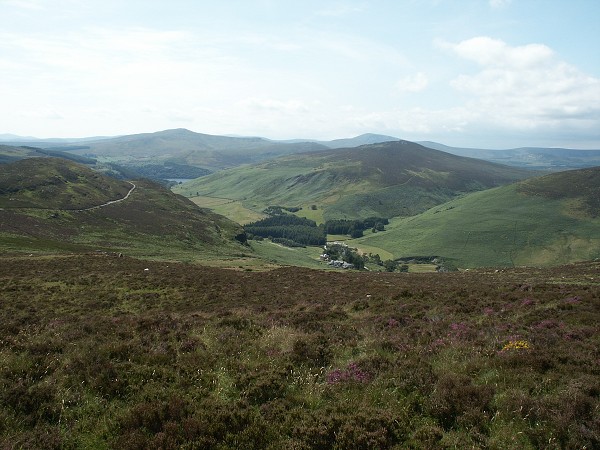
(112, 202)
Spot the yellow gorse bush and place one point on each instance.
(516, 345)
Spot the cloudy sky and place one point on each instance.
(477, 73)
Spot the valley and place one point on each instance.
(464, 211)
(135, 317)
(286, 225)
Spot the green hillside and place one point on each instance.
(43, 205)
(387, 180)
(548, 220)
(11, 153)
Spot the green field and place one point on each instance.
(232, 209)
(279, 255)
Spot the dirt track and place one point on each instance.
(112, 201)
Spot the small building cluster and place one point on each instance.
(337, 263)
(340, 264)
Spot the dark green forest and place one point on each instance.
(298, 230)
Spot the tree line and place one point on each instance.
(288, 229)
(355, 228)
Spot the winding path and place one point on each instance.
(112, 201)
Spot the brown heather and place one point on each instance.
(98, 352)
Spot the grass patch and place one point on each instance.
(232, 209)
(287, 256)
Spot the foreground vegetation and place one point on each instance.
(106, 352)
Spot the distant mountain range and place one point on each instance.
(215, 152)
(531, 157)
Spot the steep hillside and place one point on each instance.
(45, 205)
(554, 219)
(388, 179)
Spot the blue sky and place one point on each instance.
(476, 73)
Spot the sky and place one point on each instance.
(467, 73)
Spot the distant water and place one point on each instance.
(179, 180)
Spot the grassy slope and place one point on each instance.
(98, 352)
(389, 179)
(152, 222)
(547, 220)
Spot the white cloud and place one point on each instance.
(526, 87)
(493, 52)
(412, 83)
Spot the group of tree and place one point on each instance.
(390, 265)
(341, 252)
(280, 210)
(355, 228)
(289, 230)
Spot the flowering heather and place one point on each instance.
(458, 330)
(352, 373)
(548, 324)
(527, 302)
(97, 353)
(393, 323)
